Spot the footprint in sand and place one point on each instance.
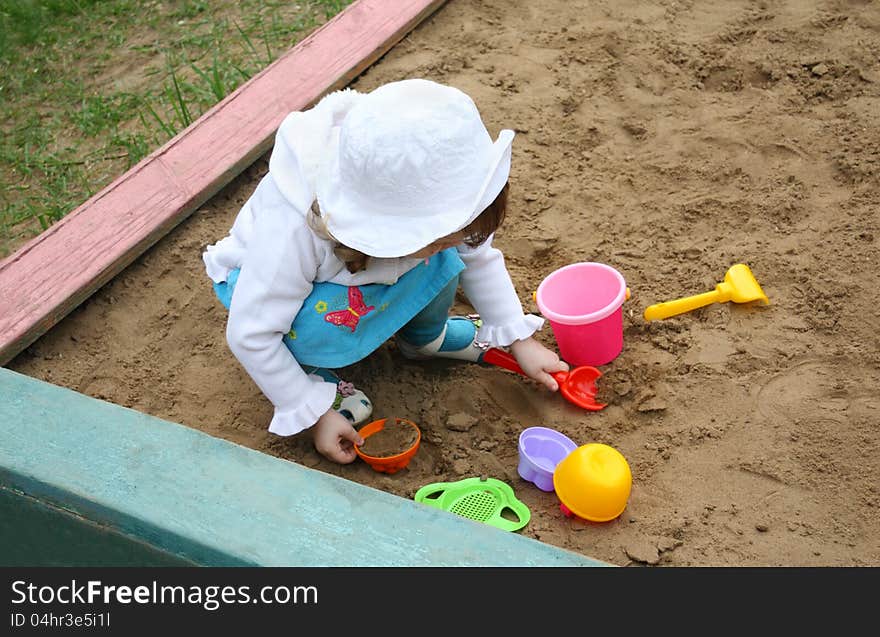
(833, 389)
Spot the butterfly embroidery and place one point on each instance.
(350, 316)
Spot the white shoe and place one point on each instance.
(352, 403)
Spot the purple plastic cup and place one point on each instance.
(540, 450)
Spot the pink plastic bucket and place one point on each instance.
(584, 304)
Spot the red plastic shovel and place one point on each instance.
(578, 385)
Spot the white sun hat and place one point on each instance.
(413, 162)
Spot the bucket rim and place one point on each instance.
(545, 433)
(591, 317)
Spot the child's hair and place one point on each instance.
(476, 232)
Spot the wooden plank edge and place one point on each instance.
(18, 337)
(213, 502)
(71, 517)
(35, 533)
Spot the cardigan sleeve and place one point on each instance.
(279, 265)
(487, 284)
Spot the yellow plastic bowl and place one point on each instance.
(593, 482)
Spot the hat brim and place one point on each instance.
(383, 236)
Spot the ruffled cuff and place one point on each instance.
(215, 271)
(320, 398)
(504, 335)
(222, 257)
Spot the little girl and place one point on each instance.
(376, 207)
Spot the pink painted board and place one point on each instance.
(56, 271)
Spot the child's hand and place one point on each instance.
(334, 437)
(538, 362)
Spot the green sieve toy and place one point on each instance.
(479, 499)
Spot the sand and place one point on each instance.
(670, 140)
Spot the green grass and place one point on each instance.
(90, 87)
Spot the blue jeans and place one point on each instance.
(427, 324)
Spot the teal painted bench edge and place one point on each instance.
(36, 533)
(216, 503)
